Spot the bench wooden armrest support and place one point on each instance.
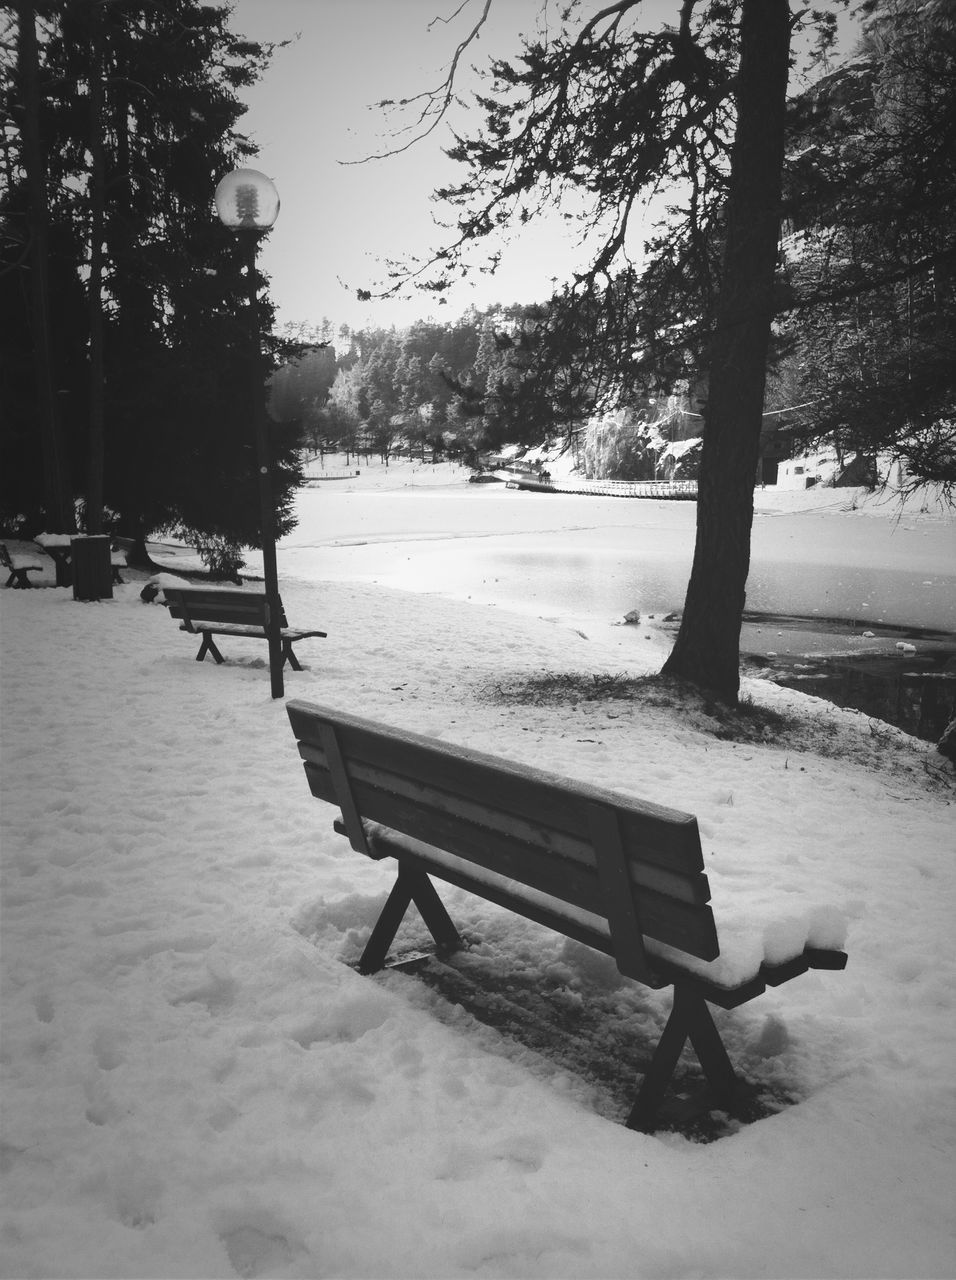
(623, 876)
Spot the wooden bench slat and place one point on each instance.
(425, 799)
(194, 605)
(219, 628)
(245, 629)
(667, 837)
(545, 801)
(297, 633)
(592, 932)
(686, 925)
(548, 873)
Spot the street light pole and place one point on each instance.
(248, 204)
(267, 521)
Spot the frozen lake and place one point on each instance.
(579, 557)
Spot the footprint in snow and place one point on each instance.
(43, 1004)
(258, 1243)
(217, 992)
(108, 1048)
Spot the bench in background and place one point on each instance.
(118, 561)
(18, 566)
(618, 874)
(215, 611)
(59, 547)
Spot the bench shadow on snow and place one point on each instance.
(558, 1010)
(575, 1017)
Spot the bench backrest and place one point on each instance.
(214, 604)
(636, 865)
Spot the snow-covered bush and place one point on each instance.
(621, 445)
(680, 460)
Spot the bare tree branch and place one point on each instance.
(436, 101)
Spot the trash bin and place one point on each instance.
(92, 571)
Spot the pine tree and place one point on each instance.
(139, 123)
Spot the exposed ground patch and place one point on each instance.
(833, 733)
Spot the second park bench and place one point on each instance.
(621, 875)
(216, 611)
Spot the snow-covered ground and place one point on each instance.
(196, 1083)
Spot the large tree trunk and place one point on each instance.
(707, 649)
(57, 488)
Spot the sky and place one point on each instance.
(313, 120)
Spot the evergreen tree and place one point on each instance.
(299, 391)
(138, 124)
(872, 257)
(36, 352)
(344, 408)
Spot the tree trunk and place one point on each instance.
(57, 488)
(707, 649)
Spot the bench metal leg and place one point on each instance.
(690, 1019)
(209, 646)
(432, 911)
(289, 656)
(386, 927)
(411, 886)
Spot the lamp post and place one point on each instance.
(248, 204)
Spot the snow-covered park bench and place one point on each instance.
(618, 874)
(216, 611)
(18, 566)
